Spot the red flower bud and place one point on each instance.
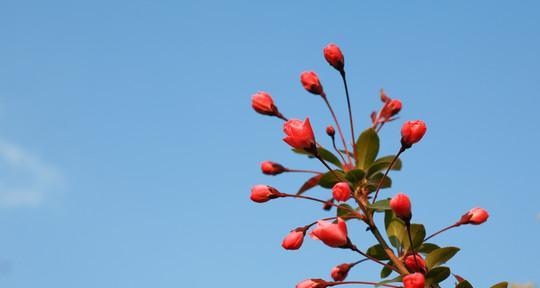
(415, 280)
(331, 234)
(475, 216)
(299, 134)
(330, 131)
(341, 191)
(401, 205)
(312, 283)
(340, 272)
(262, 102)
(391, 108)
(263, 193)
(418, 265)
(294, 240)
(333, 55)
(412, 132)
(271, 168)
(311, 83)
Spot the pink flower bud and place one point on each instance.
(412, 132)
(300, 134)
(271, 168)
(330, 131)
(341, 191)
(475, 216)
(401, 205)
(391, 109)
(418, 265)
(312, 283)
(331, 234)
(263, 193)
(294, 240)
(311, 83)
(415, 280)
(333, 55)
(262, 102)
(340, 272)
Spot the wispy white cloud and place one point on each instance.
(25, 180)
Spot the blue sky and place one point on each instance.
(128, 145)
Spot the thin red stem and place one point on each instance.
(354, 212)
(337, 150)
(338, 126)
(386, 173)
(354, 248)
(441, 231)
(329, 284)
(411, 243)
(302, 171)
(342, 72)
(330, 168)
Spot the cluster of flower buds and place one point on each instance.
(355, 177)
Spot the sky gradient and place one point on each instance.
(128, 145)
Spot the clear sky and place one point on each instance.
(128, 145)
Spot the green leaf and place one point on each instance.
(377, 252)
(328, 180)
(426, 248)
(374, 180)
(440, 256)
(385, 272)
(323, 153)
(329, 157)
(437, 275)
(397, 279)
(344, 209)
(367, 148)
(418, 234)
(382, 164)
(381, 205)
(310, 183)
(464, 284)
(500, 285)
(395, 229)
(355, 175)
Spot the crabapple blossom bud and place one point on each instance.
(401, 205)
(339, 273)
(294, 240)
(391, 109)
(330, 131)
(272, 168)
(311, 83)
(412, 132)
(262, 102)
(475, 216)
(415, 280)
(418, 265)
(300, 135)
(341, 191)
(331, 234)
(333, 55)
(263, 193)
(312, 283)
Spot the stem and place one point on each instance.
(330, 168)
(354, 212)
(395, 260)
(280, 116)
(337, 125)
(354, 248)
(337, 150)
(441, 231)
(342, 72)
(330, 284)
(302, 171)
(386, 173)
(408, 226)
(358, 262)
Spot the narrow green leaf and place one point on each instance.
(374, 180)
(377, 252)
(464, 284)
(426, 248)
(397, 279)
(355, 175)
(381, 205)
(418, 234)
(310, 183)
(395, 229)
(500, 285)
(367, 148)
(382, 164)
(437, 275)
(329, 157)
(440, 256)
(344, 209)
(385, 272)
(328, 180)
